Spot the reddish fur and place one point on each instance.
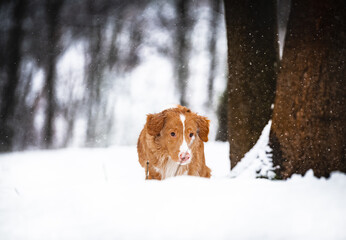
(156, 145)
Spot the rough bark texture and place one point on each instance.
(308, 129)
(252, 64)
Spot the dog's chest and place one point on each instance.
(169, 169)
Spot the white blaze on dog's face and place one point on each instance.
(185, 155)
(179, 134)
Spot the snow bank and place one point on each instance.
(102, 194)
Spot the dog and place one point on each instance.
(172, 143)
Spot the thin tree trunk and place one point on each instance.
(53, 10)
(183, 46)
(94, 84)
(309, 118)
(216, 7)
(222, 131)
(252, 65)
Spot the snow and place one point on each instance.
(102, 194)
(257, 162)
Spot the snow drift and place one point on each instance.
(102, 194)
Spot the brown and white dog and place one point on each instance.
(171, 143)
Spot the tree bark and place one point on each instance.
(308, 129)
(252, 65)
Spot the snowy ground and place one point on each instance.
(102, 194)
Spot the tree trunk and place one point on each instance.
(252, 65)
(216, 8)
(308, 129)
(8, 99)
(222, 131)
(53, 8)
(182, 40)
(95, 78)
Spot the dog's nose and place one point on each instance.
(185, 156)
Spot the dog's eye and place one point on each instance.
(173, 134)
(191, 135)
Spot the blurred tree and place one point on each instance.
(11, 77)
(309, 119)
(183, 28)
(252, 65)
(222, 132)
(53, 9)
(103, 52)
(214, 23)
(95, 70)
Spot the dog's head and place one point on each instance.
(178, 131)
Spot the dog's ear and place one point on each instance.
(155, 123)
(203, 127)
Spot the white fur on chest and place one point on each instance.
(170, 168)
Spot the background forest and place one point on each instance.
(86, 73)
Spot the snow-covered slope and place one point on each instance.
(102, 194)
